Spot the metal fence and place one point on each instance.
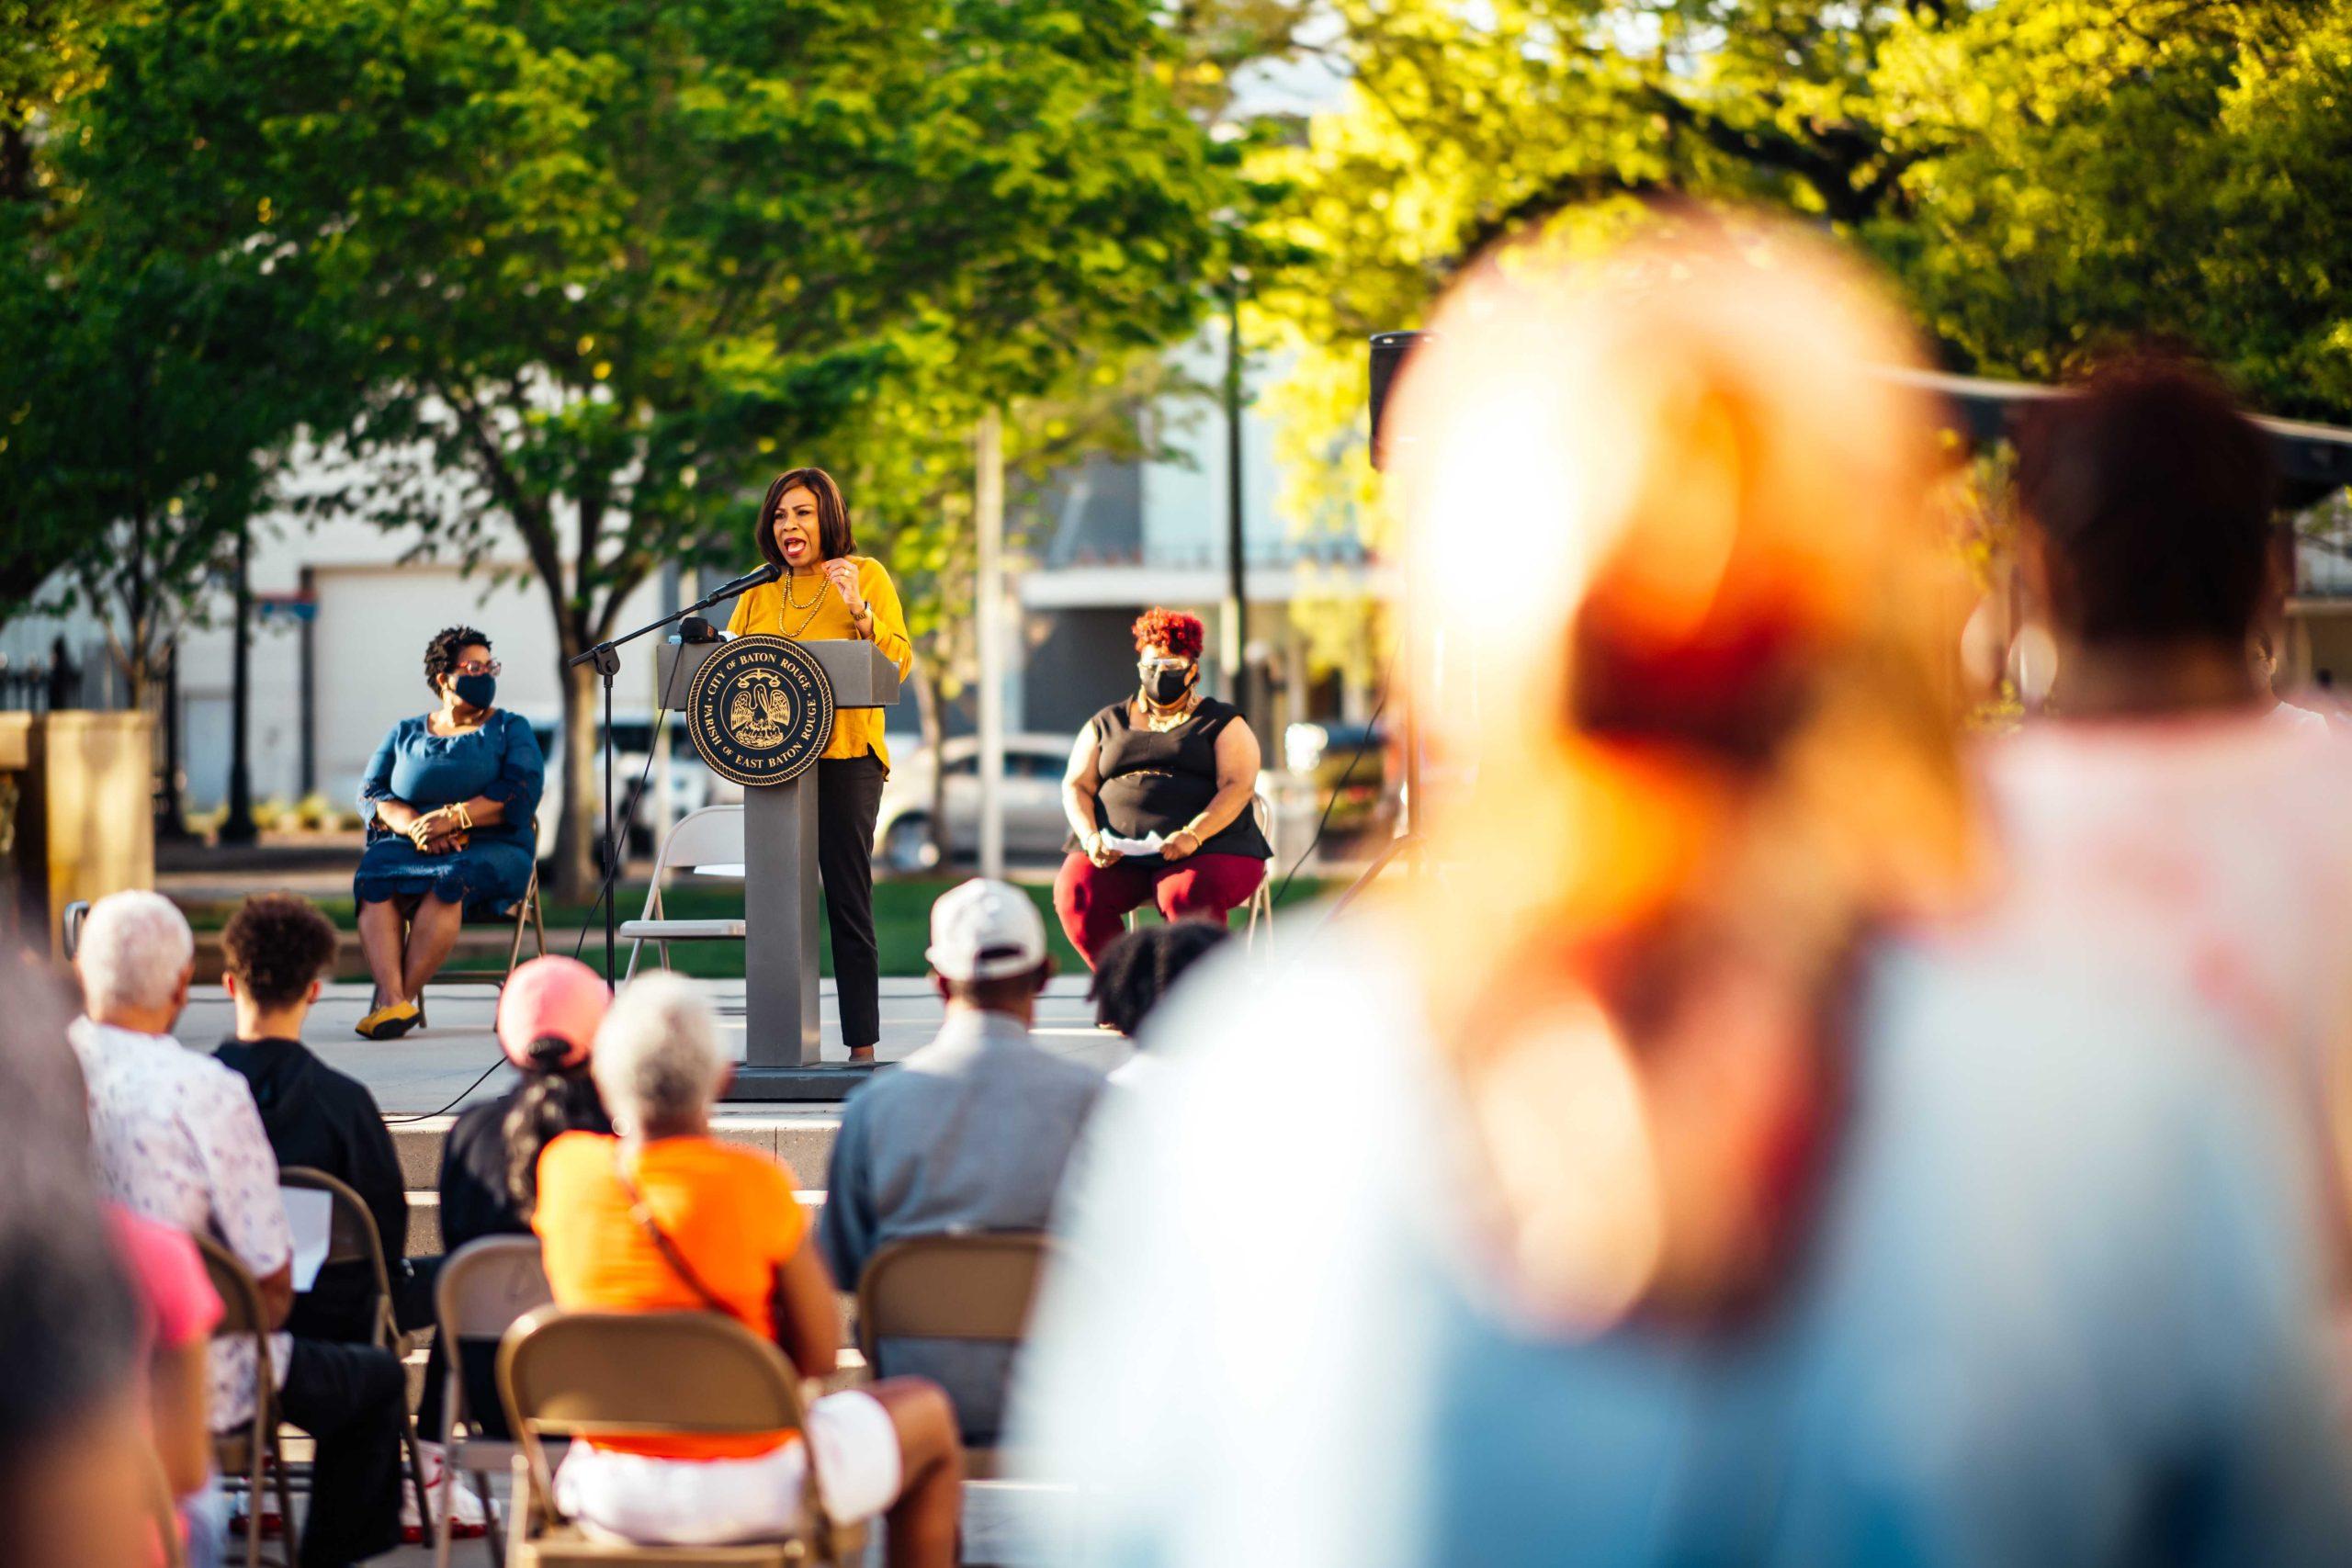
(40, 685)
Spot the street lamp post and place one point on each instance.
(1235, 640)
(238, 827)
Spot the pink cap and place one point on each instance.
(552, 996)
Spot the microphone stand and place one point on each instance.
(606, 657)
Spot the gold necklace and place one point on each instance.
(789, 578)
(1159, 723)
(814, 605)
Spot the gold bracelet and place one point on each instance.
(465, 818)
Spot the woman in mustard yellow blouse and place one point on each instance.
(827, 592)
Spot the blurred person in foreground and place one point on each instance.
(969, 1134)
(1655, 1186)
(665, 1218)
(2165, 807)
(78, 1463)
(1137, 974)
(177, 1139)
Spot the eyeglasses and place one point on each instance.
(480, 667)
(1154, 666)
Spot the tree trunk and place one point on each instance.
(580, 823)
(934, 740)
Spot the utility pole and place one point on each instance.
(238, 826)
(1235, 619)
(988, 515)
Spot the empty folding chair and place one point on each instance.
(709, 838)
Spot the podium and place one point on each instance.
(780, 907)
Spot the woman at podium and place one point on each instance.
(825, 591)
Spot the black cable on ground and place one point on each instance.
(604, 891)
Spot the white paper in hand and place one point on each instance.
(310, 1214)
(1150, 844)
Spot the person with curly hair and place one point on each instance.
(1137, 971)
(277, 951)
(448, 797)
(1168, 767)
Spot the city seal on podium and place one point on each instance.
(760, 709)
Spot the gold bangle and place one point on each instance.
(465, 818)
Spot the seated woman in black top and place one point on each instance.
(547, 1016)
(1169, 764)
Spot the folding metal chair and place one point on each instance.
(710, 836)
(482, 1288)
(648, 1374)
(254, 1452)
(527, 913)
(1260, 903)
(969, 1285)
(352, 1238)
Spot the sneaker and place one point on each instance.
(469, 1521)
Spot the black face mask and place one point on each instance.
(1164, 686)
(475, 691)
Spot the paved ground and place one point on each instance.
(430, 1069)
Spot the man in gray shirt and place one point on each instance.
(969, 1134)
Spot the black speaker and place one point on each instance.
(1389, 351)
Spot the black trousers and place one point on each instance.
(348, 1397)
(849, 800)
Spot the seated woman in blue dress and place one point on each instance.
(448, 799)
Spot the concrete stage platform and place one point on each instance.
(428, 1068)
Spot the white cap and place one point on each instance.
(985, 931)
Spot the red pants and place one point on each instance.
(1093, 900)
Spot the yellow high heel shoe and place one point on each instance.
(390, 1022)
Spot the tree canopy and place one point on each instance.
(2040, 177)
(610, 265)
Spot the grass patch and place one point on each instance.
(902, 924)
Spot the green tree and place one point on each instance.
(2090, 171)
(150, 365)
(2041, 176)
(615, 264)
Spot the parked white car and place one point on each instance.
(1032, 799)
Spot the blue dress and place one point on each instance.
(499, 761)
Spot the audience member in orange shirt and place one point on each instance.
(663, 1218)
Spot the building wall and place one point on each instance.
(366, 652)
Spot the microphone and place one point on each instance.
(767, 573)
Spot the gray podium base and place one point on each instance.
(834, 1081)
